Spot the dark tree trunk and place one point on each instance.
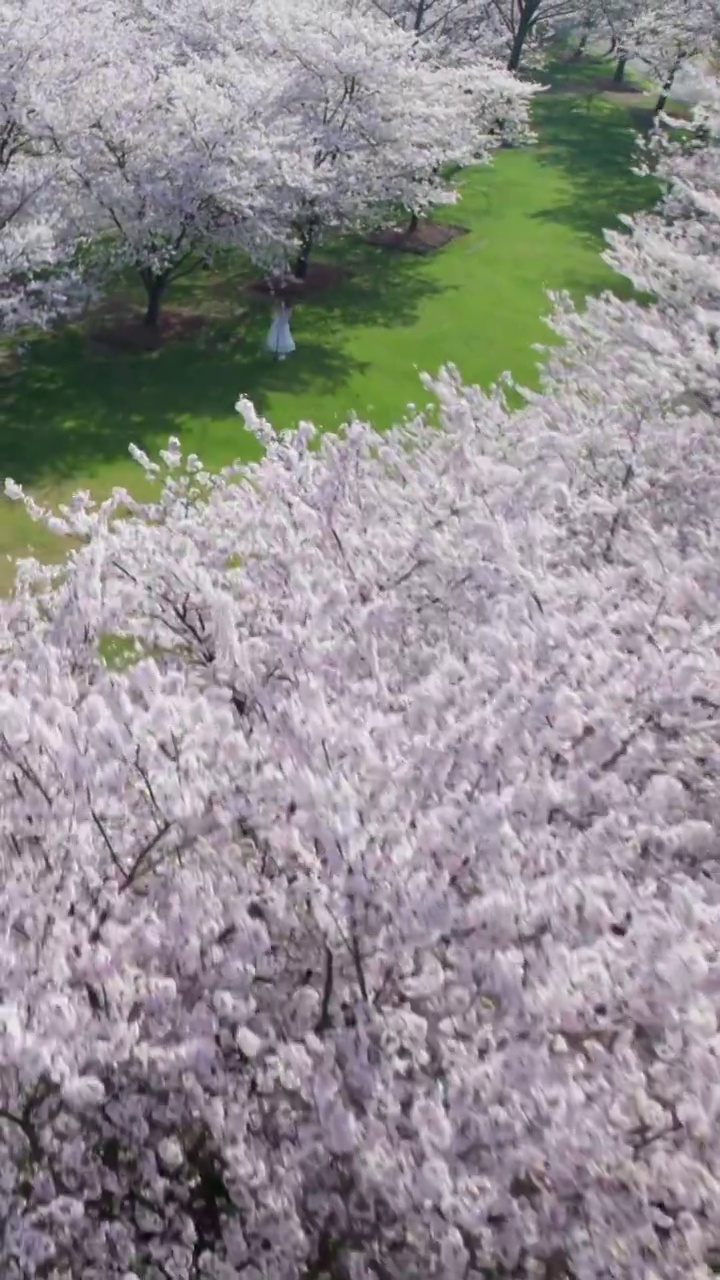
(419, 17)
(154, 289)
(516, 51)
(579, 51)
(307, 239)
(619, 74)
(612, 48)
(300, 269)
(661, 103)
(412, 224)
(518, 45)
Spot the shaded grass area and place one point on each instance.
(592, 75)
(534, 218)
(591, 139)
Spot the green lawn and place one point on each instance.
(535, 220)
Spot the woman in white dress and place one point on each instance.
(280, 340)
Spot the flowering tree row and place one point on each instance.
(152, 136)
(665, 34)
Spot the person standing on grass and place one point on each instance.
(279, 340)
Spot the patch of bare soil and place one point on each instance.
(128, 335)
(426, 237)
(321, 277)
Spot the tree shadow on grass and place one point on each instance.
(592, 74)
(618, 285)
(564, 74)
(380, 287)
(594, 144)
(71, 409)
(589, 74)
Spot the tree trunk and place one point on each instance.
(612, 48)
(619, 74)
(412, 225)
(154, 288)
(661, 103)
(579, 51)
(300, 269)
(518, 45)
(307, 238)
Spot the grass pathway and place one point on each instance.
(535, 222)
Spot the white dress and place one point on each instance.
(280, 340)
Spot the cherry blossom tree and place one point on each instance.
(359, 830)
(375, 121)
(266, 125)
(37, 70)
(527, 20)
(179, 29)
(619, 43)
(664, 36)
(502, 29)
(673, 253)
(175, 159)
(684, 32)
(454, 28)
(670, 253)
(608, 20)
